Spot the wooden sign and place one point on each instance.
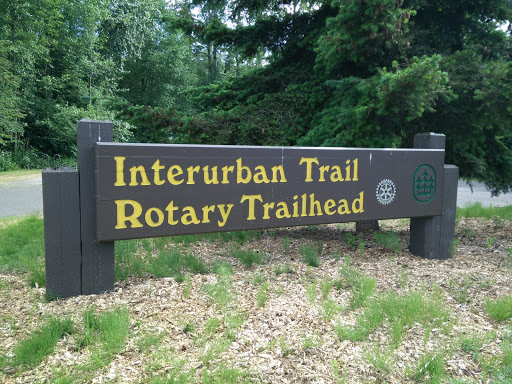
(148, 190)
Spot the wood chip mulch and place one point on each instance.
(288, 339)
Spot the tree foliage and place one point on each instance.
(263, 72)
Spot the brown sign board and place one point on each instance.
(151, 190)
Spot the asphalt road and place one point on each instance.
(24, 196)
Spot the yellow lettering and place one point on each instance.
(240, 179)
(251, 199)
(266, 208)
(343, 207)
(280, 169)
(309, 161)
(172, 173)
(170, 212)
(347, 170)
(328, 206)
(261, 175)
(213, 179)
(189, 216)
(119, 171)
(303, 212)
(190, 172)
(358, 204)
(156, 170)
(323, 169)
(356, 170)
(122, 218)
(295, 206)
(142, 172)
(314, 204)
(336, 174)
(206, 210)
(225, 172)
(149, 219)
(224, 214)
(282, 211)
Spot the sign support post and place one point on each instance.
(61, 209)
(97, 258)
(431, 237)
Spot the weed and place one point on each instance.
(211, 326)
(353, 240)
(285, 245)
(221, 267)
(248, 257)
(361, 286)
(490, 242)
(388, 240)
(325, 287)
(286, 350)
(380, 360)
(223, 374)
(110, 328)
(145, 342)
(500, 309)
(454, 243)
(430, 365)
(460, 290)
(472, 344)
(282, 269)
(214, 349)
(404, 277)
(171, 262)
(128, 263)
(329, 309)
(311, 342)
(30, 352)
(259, 279)
(262, 295)
(401, 312)
(187, 289)
(468, 232)
(310, 254)
(311, 291)
(220, 292)
(360, 247)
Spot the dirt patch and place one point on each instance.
(275, 322)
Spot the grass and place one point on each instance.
(30, 352)
(311, 254)
(388, 240)
(500, 309)
(248, 257)
(430, 368)
(361, 286)
(477, 210)
(262, 295)
(109, 328)
(19, 174)
(22, 248)
(399, 312)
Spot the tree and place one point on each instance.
(373, 73)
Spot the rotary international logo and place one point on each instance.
(424, 183)
(385, 192)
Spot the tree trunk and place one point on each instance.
(367, 226)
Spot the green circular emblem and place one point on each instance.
(424, 183)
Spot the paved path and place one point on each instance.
(23, 197)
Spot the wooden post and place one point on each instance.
(431, 237)
(97, 258)
(61, 209)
